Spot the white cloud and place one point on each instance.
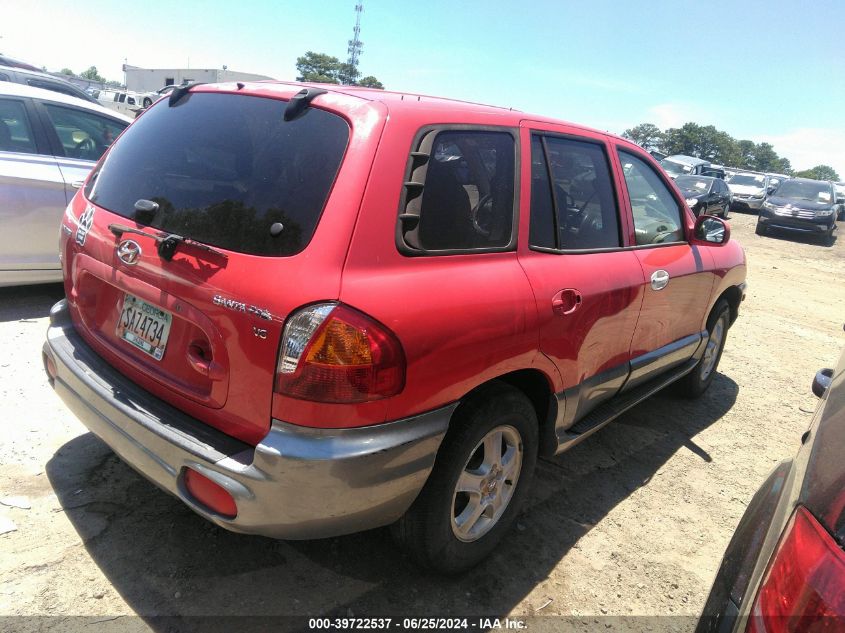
(808, 147)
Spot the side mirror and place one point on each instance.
(711, 231)
(821, 383)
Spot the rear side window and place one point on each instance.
(83, 135)
(460, 192)
(573, 206)
(15, 131)
(224, 169)
(657, 216)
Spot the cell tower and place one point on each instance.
(355, 44)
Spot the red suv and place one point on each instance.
(309, 312)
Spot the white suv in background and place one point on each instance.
(748, 190)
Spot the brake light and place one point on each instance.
(802, 589)
(332, 353)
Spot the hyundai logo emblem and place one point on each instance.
(129, 251)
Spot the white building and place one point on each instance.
(151, 79)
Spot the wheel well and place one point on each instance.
(535, 385)
(733, 296)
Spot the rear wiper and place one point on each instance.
(166, 244)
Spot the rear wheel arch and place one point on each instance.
(537, 387)
(733, 297)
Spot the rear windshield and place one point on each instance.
(224, 168)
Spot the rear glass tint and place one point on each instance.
(224, 168)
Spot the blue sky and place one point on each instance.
(771, 70)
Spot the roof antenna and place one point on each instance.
(300, 101)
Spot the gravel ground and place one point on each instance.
(632, 522)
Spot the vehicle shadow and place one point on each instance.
(28, 302)
(801, 238)
(177, 570)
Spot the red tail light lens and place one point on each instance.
(332, 353)
(804, 587)
(210, 494)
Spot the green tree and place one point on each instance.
(347, 74)
(646, 135)
(326, 69)
(370, 82)
(318, 68)
(783, 166)
(67, 71)
(819, 172)
(683, 140)
(745, 154)
(765, 157)
(92, 74)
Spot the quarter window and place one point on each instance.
(573, 206)
(460, 194)
(15, 131)
(83, 134)
(657, 216)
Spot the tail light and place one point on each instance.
(803, 587)
(332, 353)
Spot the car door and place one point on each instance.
(32, 191)
(78, 138)
(587, 285)
(678, 277)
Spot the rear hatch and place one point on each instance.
(186, 291)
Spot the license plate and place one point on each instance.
(144, 325)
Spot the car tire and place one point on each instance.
(829, 238)
(431, 531)
(147, 102)
(760, 229)
(695, 383)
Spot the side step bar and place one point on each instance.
(613, 408)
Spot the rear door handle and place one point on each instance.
(659, 279)
(566, 301)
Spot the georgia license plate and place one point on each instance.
(144, 325)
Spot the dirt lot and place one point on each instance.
(632, 522)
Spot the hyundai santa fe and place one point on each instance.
(308, 311)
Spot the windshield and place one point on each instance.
(749, 180)
(804, 190)
(675, 169)
(701, 185)
(224, 168)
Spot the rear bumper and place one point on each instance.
(297, 483)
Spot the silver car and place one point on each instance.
(48, 144)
